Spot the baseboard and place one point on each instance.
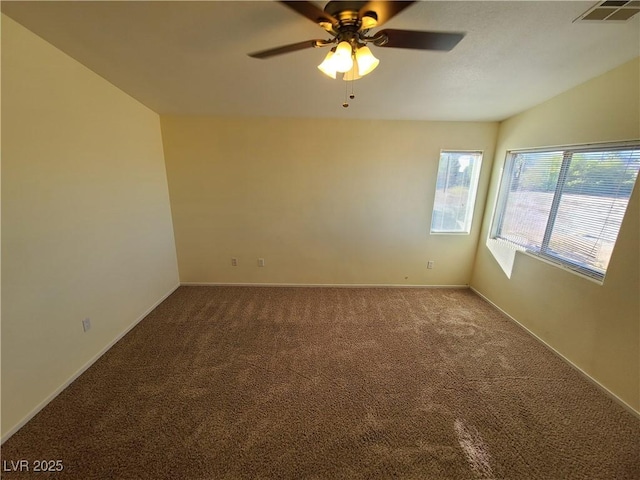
(316, 285)
(82, 369)
(565, 359)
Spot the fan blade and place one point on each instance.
(313, 13)
(294, 47)
(443, 41)
(385, 11)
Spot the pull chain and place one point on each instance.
(349, 80)
(353, 95)
(345, 104)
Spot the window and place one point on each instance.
(567, 204)
(456, 185)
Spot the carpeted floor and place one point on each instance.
(330, 383)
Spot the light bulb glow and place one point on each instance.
(327, 66)
(352, 74)
(366, 61)
(342, 58)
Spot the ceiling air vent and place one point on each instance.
(611, 11)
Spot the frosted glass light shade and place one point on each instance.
(366, 61)
(327, 66)
(352, 74)
(342, 58)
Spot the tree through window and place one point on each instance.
(456, 185)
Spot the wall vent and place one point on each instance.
(611, 11)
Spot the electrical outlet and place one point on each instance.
(234, 262)
(261, 262)
(86, 324)
(430, 264)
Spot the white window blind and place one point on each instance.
(567, 205)
(456, 186)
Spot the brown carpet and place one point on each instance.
(330, 383)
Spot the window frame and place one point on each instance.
(543, 252)
(472, 197)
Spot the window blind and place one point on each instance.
(568, 204)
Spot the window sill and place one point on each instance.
(562, 266)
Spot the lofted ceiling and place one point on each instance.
(183, 57)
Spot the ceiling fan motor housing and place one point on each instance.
(347, 13)
(352, 27)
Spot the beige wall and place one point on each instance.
(322, 201)
(87, 231)
(597, 327)
(86, 225)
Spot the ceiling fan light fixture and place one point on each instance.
(349, 22)
(352, 74)
(327, 67)
(366, 61)
(342, 59)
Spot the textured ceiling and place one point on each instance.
(191, 57)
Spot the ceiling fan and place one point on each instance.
(348, 23)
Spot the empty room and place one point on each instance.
(311, 240)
